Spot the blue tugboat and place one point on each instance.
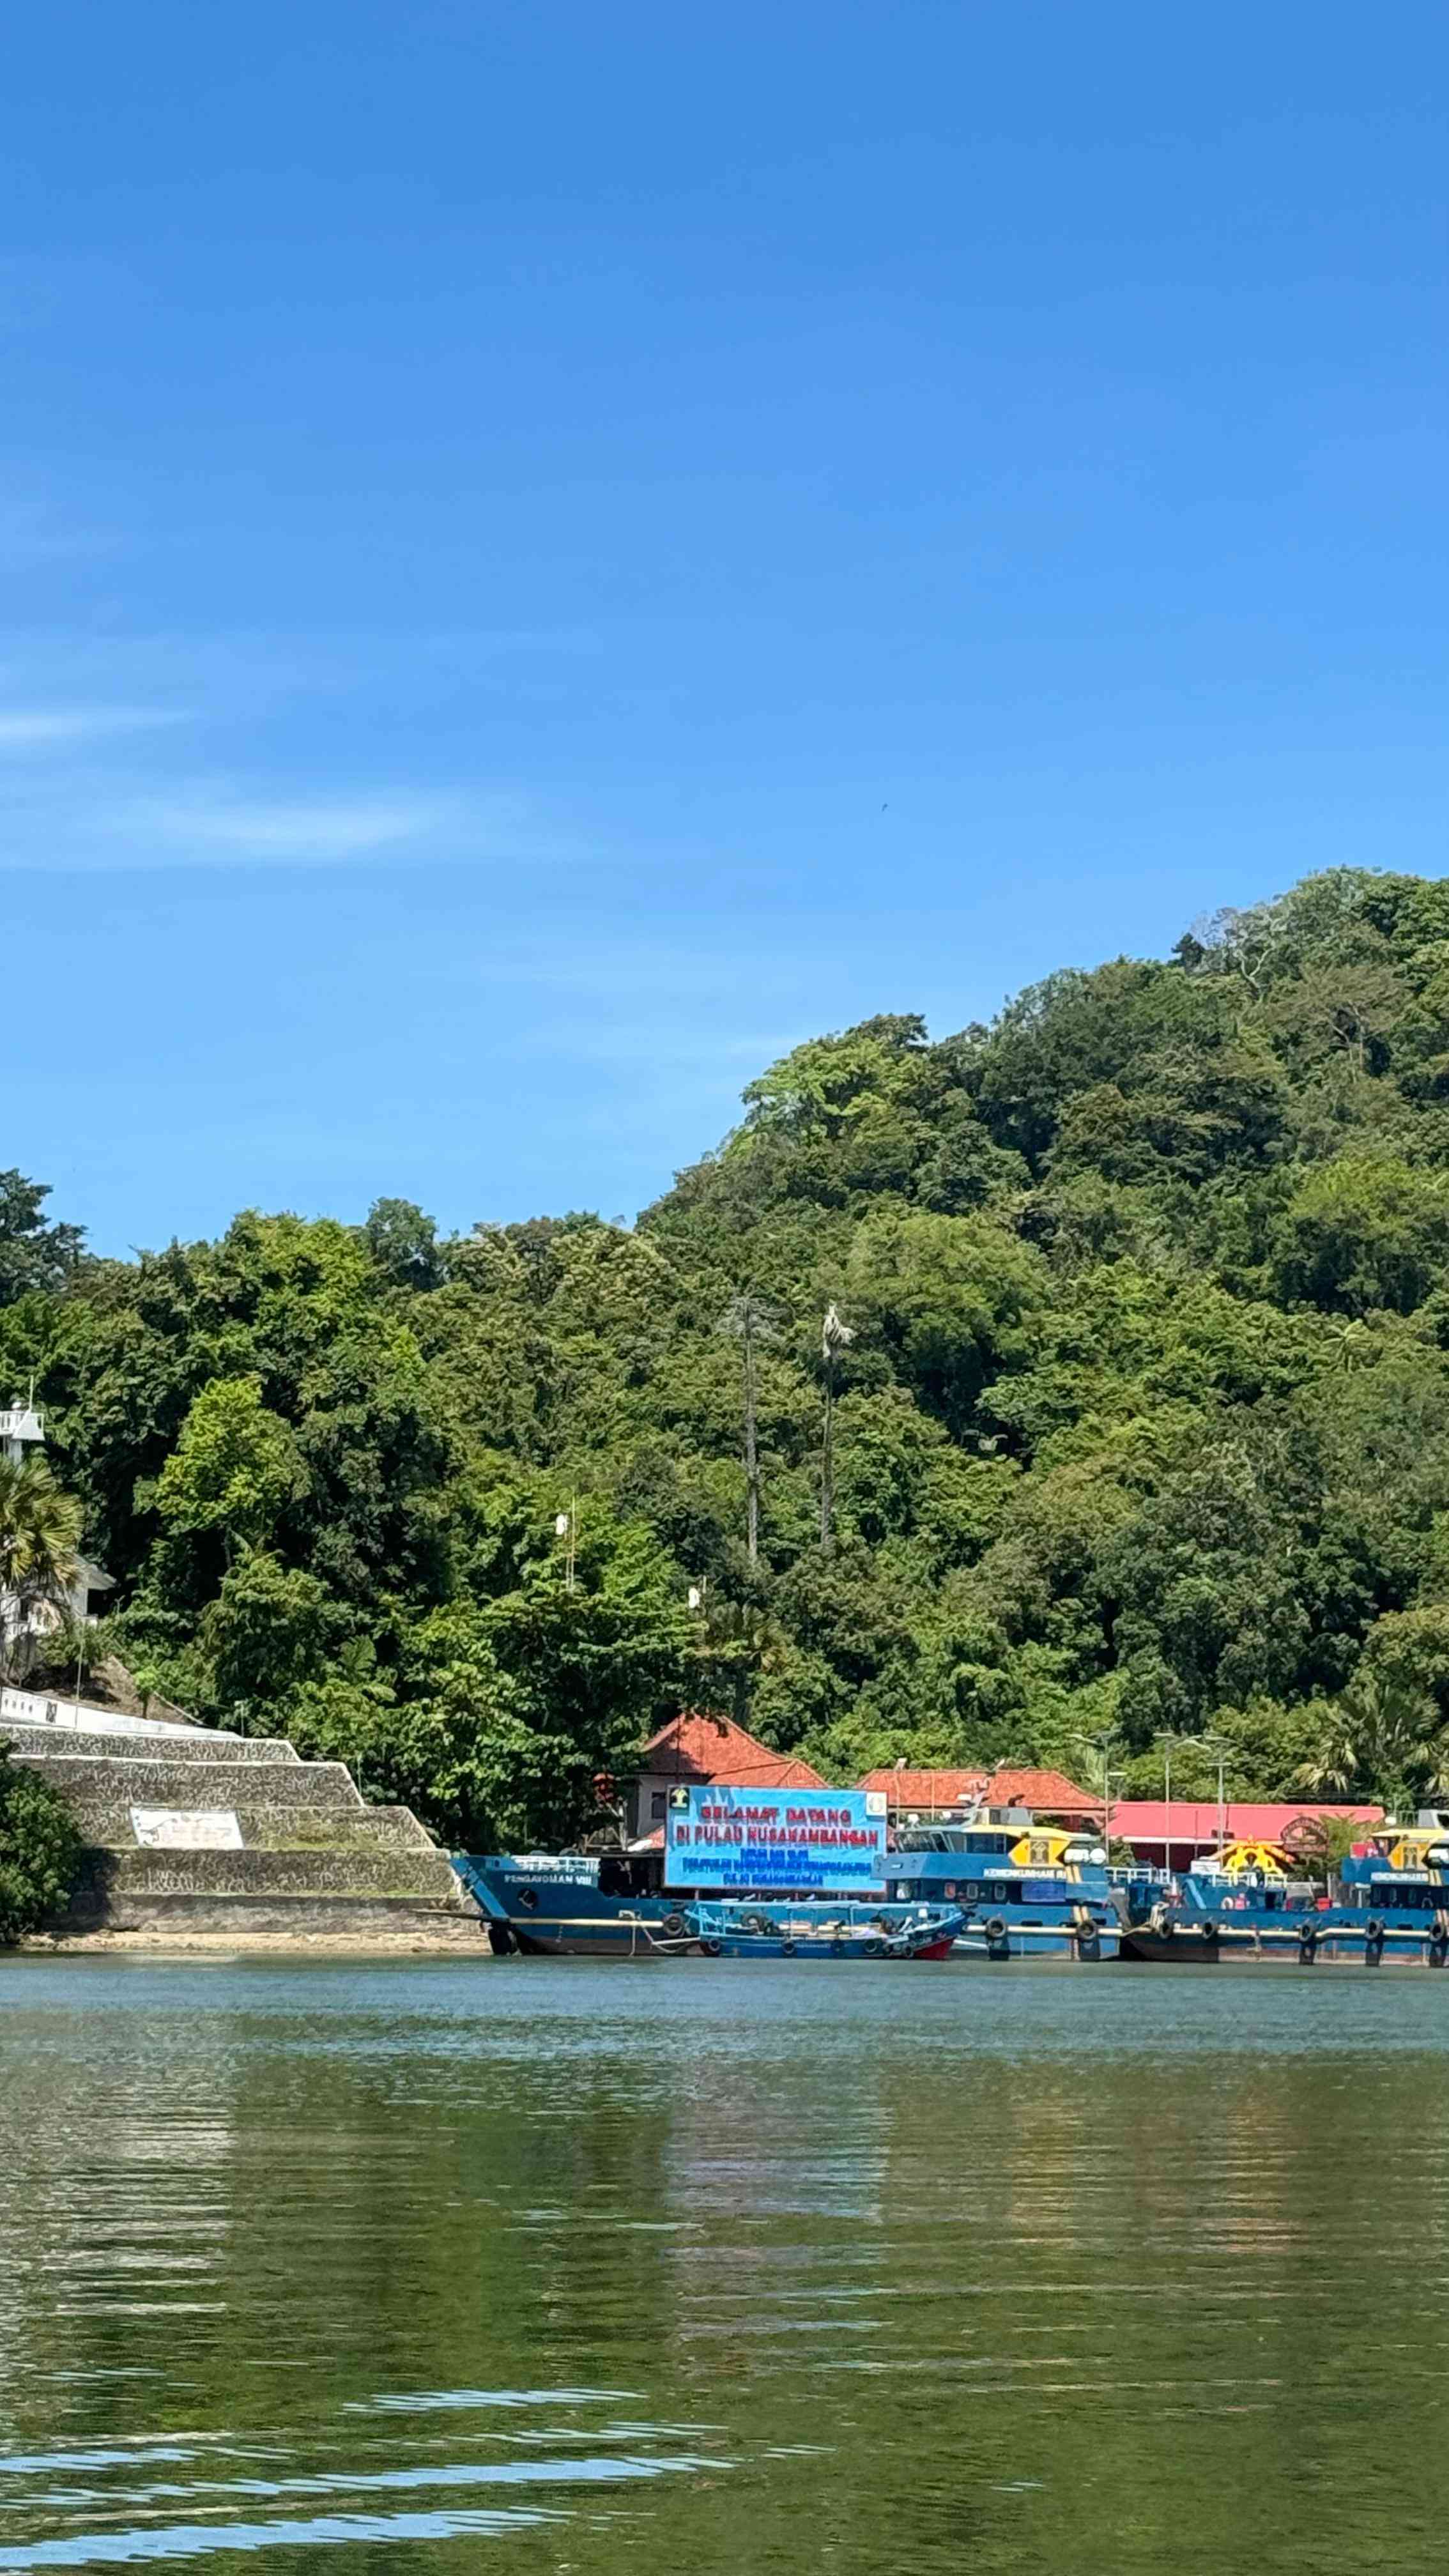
(1029, 1891)
(807, 1931)
(1392, 1905)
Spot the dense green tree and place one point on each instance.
(404, 1244)
(1143, 1423)
(40, 1850)
(234, 1467)
(35, 1258)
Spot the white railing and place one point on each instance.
(29, 1708)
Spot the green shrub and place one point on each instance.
(40, 1850)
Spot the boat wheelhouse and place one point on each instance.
(1030, 1890)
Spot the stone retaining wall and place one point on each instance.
(119, 1784)
(106, 1825)
(112, 1880)
(315, 1858)
(52, 1744)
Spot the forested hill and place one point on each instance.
(1143, 1424)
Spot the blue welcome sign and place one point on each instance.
(826, 1842)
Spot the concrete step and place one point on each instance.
(111, 1879)
(71, 1744)
(320, 1786)
(105, 1822)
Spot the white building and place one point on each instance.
(22, 1429)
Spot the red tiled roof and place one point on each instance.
(716, 1751)
(930, 1789)
(1047, 1792)
(1195, 1820)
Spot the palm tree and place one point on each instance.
(1381, 1740)
(40, 1531)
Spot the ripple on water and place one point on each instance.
(119, 2520)
(419, 2262)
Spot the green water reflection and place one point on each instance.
(563, 2267)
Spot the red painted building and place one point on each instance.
(1190, 1826)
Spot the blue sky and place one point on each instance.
(551, 551)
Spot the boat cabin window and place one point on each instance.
(950, 1838)
(631, 1873)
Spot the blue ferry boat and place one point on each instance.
(1029, 1890)
(613, 1905)
(1391, 1905)
(590, 1905)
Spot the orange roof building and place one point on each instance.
(714, 1753)
(940, 1793)
(719, 1754)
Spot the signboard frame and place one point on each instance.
(800, 1842)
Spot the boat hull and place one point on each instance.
(1189, 1942)
(1038, 1940)
(585, 1939)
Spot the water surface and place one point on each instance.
(568, 2266)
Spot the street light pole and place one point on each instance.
(1105, 1744)
(1167, 1741)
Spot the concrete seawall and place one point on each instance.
(315, 1862)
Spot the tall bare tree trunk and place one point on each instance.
(752, 1454)
(834, 1335)
(827, 1459)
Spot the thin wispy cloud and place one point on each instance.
(104, 820)
(304, 830)
(36, 728)
(91, 778)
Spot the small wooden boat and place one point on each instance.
(803, 1931)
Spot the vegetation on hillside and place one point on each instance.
(1139, 1410)
(40, 1851)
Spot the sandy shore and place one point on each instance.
(469, 1941)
